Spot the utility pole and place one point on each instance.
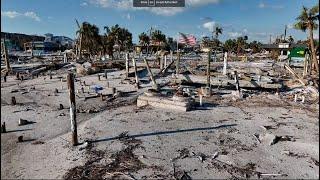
(285, 32)
(72, 101)
(270, 38)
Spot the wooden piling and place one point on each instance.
(151, 75)
(165, 60)
(99, 77)
(178, 62)
(161, 62)
(13, 100)
(236, 79)
(209, 73)
(106, 74)
(225, 63)
(127, 65)
(3, 127)
(135, 71)
(72, 102)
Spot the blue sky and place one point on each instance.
(258, 19)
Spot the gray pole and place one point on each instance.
(236, 79)
(72, 100)
(135, 71)
(225, 63)
(208, 72)
(178, 62)
(127, 65)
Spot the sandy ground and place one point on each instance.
(215, 142)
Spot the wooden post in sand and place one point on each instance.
(127, 65)
(305, 65)
(225, 63)
(178, 62)
(151, 75)
(106, 74)
(236, 79)
(135, 71)
(208, 73)
(165, 61)
(72, 101)
(13, 100)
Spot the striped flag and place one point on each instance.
(187, 39)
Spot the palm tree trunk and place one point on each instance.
(313, 51)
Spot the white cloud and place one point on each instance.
(84, 4)
(14, 14)
(10, 14)
(32, 15)
(264, 5)
(235, 34)
(168, 11)
(290, 26)
(127, 16)
(209, 25)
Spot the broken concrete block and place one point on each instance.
(166, 103)
(267, 138)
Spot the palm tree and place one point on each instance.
(158, 37)
(241, 43)
(230, 45)
(117, 36)
(217, 31)
(90, 38)
(307, 21)
(290, 39)
(144, 39)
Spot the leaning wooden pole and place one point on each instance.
(72, 101)
(150, 72)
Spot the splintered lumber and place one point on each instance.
(224, 82)
(164, 102)
(294, 74)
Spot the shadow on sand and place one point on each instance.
(164, 133)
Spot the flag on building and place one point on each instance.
(187, 39)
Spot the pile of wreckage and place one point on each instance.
(181, 80)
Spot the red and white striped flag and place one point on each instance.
(187, 39)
